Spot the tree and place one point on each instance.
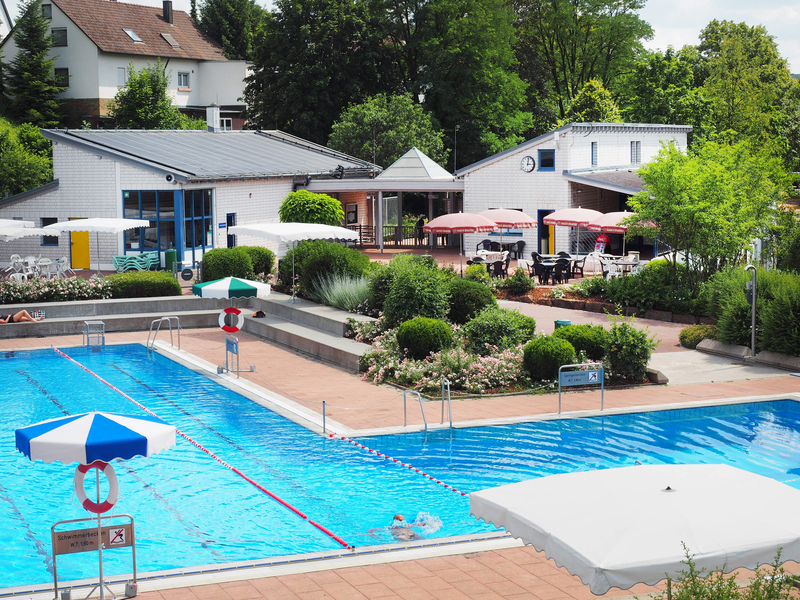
(384, 127)
(303, 206)
(29, 80)
(145, 103)
(25, 161)
(709, 204)
(662, 88)
(233, 24)
(579, 40)
(311, 60)
(593, 104)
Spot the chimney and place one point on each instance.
(168, 11)
(212, 118)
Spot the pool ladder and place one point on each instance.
(154, 334)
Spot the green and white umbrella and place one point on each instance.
(231, 287)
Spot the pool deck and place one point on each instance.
(476, 572)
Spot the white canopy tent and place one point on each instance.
(14, 223)
(9, 234)
(98, 226)
(619, 527)
(293, 233)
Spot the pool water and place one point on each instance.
(191, 511)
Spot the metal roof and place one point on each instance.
(616, 179)
(415, 165)
(201, 155)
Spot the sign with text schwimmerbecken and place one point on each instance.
(85, 540)
(568, 378)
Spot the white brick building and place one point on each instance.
(592, 165)
(190, 185)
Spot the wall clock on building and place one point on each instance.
(528, 164)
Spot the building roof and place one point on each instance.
(579, 127)
(195, 155)
(6, 23)
(616, 179)
(103, 22)
(415, 165)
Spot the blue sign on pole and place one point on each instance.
(579, 377)
(231, 346)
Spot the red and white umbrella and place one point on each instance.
(572, 217)
(459, 223)
(612, 223)
(507, 218)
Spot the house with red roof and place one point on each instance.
(97, 41)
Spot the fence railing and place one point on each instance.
(407, 236)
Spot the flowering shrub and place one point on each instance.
(365, 331)
(53, 290)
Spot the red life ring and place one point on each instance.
(80, 492)
(239, 319)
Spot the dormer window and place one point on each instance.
(133, 35)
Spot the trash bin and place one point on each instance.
(170, 260)
(562, 323)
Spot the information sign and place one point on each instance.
(85, 540)
(231, 346)
(579, 378)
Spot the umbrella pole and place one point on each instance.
(461, 253)
(102, 583)
(97, 244)
(293, 276)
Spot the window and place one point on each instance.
(547, 160)
(158, 207)
(47, 11)
(59, 36)
(62, 77)
(132, 34)
(226, 124)
(636, 153)
(170, 40)
(122, 76)
(183, 80)
(198, 226)
(49, 240)
(594, 154)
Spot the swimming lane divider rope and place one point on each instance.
(199, 446)
(399, 462)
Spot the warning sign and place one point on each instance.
(579, 378)
(85, 540)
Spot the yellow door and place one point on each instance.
(552, 238)
(79, 241)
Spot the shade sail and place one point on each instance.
(572, 217)
(294, 232)
(99, 225)
(15, 223)
(9, 234)
(460, 223)
(93, 436)
(619, 527)
(509, 219)
(231, 287)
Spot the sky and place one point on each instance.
(674, 22)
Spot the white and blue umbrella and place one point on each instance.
(94, 436)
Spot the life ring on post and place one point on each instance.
(80, 492)
(239, 319)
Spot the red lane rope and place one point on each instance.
(257, 485)
(399, 462)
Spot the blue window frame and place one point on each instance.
(198, 226)
(158, 207)
(547, 160)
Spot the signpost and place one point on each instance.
(582, 377)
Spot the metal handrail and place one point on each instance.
(150, 344)
(446, 382)
(405, 409)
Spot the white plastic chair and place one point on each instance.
(45, 267)
(612, 270)
(62, 268)
(21, 277)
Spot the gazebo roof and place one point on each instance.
(415, 165)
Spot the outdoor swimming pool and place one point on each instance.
(192, 511)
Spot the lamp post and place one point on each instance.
(751, 286)
(455, 148)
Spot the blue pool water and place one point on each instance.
(191, 511)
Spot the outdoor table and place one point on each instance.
(490, 256)
(625, 264)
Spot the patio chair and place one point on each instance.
(483, 245)
(538, 270)
(536, 257)
(565, 254)
(499, 269)
(16, 265)
(561, 271)
(610, 270)
(494, 247)
(520, 248)
(21, 277)
(62, 268)
(578, 266)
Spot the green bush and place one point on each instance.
(342, 291)
(543, 355)
(498, 328)
(591, 287)
(143, 284)
(227, 262)
(694, 334)
(652, 288)
(467, 299)
(477, 273)
(780, 319)
(421, 337)
(332, 259)
(303, 206)
(733, 324)
(381, 278)
(629, 351)
(416, 293)
(405, 262)
(519, 283)
(592, 339)
(720, 287)
(262, 258)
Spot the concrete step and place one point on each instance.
(307, 313)
(166, 305)
(325, 345)
(189, 319)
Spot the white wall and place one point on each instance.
(221, 82)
